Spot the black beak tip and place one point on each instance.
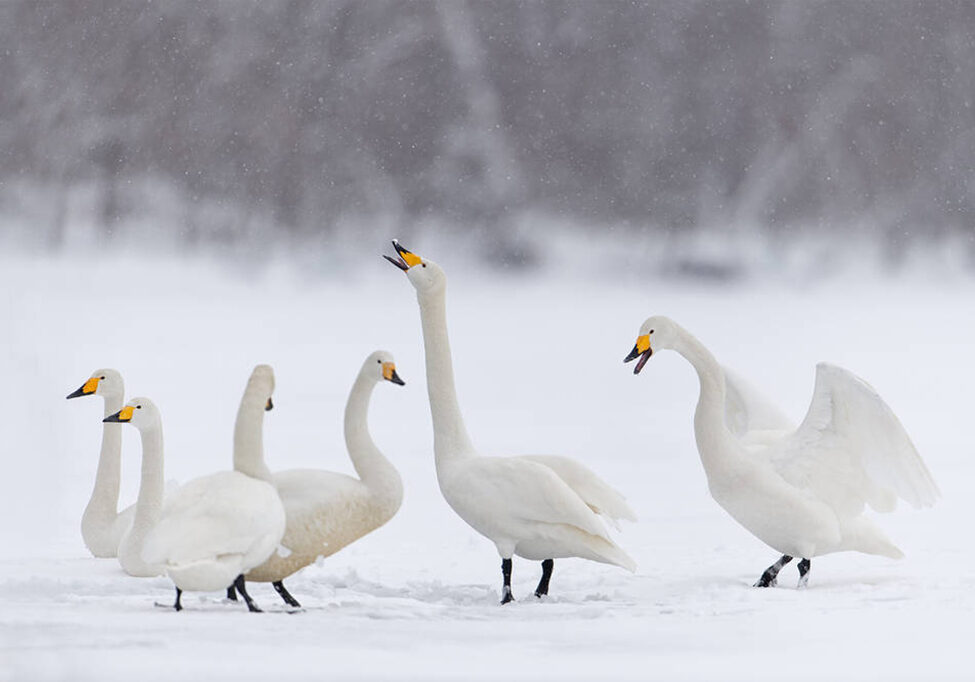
(76, 394)
(396, 379)
(112, 419)
(633, 355)
(269, 406)
(398, 262)
(644, 357)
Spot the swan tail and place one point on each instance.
(209, 575)
(864, 536)
(882, 547)
(608, 552)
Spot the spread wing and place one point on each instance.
(851, 449)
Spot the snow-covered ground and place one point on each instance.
(539, 366)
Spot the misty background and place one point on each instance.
(698, 137)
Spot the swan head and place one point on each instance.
(140, 412)
(381, 366)
(657, 333)
(425, 275)
(103, 382)
(261, 384)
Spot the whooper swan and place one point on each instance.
(102, 525)
(326, 510)
(802, 491)
(214, 528)
(540, 508)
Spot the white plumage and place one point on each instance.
(102, 525)
(215, 528)
(326, 510)
(538, 507)
(800, 490)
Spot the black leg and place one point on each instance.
(804, 567)
(506, 574)
(547, 567)
(283, 591)
(768, 578)
(231, 593)
(239, 584)
(177, 605)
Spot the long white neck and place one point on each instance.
(249, 436)
(379, 475)
(103, 506)
(148, 506)
(714, 441)
(450, 439)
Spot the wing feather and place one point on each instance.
(210, 516)
(852, 450)
(594, 491)
(528, 491)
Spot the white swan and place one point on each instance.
(539, 508)
(802, 491)
(102, 525)
(326, 510)
(213, 529)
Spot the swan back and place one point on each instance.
(746, 409)
(227, 513)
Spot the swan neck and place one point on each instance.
(714, 441)
(249, 435)
(148, 505)
(708, 370)
(370, 464)
(450, 438)
(103, 505)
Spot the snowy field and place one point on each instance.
(539, 368)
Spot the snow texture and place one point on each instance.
(539, 369)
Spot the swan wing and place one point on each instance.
(225, 513)
(522, 490)
(312, 497)
(851, 449)
(302, 489)
(594, 491)
(746, 409)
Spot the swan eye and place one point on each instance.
(423, 264)
(650, 332)
(138, 407)
(379, 361)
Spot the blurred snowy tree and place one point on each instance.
(722, 114)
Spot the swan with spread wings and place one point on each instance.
(802, 491)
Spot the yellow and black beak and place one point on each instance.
(123, 415)
(88, 388)
(389, 374)
(641, 350)
(269, 405)
(404, 259)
